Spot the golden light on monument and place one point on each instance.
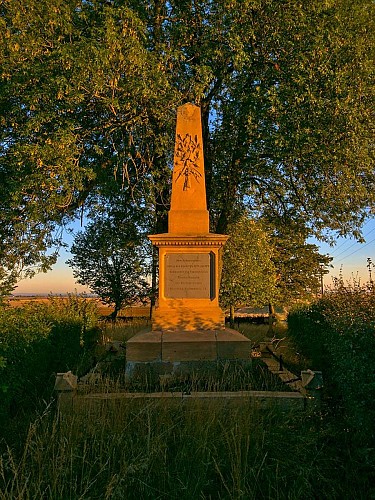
(188, 323)
(188, 254)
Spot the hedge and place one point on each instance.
(37, 341)
(337, 334)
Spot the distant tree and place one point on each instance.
(111, 259)
(299, 265)
(248, 275)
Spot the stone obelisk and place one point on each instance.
(188, 323)
(188, 254)
(188, 213)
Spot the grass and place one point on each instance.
(123, 329)
(201, 450)
(227, 376)
(258, 333)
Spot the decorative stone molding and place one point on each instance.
(163, 240)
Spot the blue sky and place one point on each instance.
(347, 253)
(350, 255)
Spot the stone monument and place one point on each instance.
(188, 323)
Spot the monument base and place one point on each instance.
(185, 318)
(197, 345)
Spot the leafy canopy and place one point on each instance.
(88, 94)
(248, 276)
(299, 266)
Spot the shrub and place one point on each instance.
(74, 330)
(337, 333)
(38, 340)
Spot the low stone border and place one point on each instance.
(305, 389)
(309, 384)
(261, 399)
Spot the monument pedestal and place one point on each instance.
(189, 278)
(177, 346)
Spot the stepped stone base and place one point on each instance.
(196, 345)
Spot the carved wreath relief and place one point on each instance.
(186, 159)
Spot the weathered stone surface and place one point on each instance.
(144, 347)
(195, 345)
(188, 213)
(232, 345)
(65, 382)
(262, 399)
(189, 346)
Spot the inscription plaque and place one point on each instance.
(188, 276)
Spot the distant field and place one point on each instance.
(138, 311)
(104, 310)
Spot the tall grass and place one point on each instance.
(123, 329)
(201, 450)
(257, 333)
(215, 377)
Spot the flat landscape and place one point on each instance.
(103, 309)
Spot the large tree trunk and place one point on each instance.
(162, 196)
(115, 312)
(205, 110)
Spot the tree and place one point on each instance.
(89, 90)
(248, 276)
(71, 105)
(299, 266)
(110, 258)
(286, 121)
(7, 283)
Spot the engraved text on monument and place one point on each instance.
(187, 275)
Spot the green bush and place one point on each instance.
(337, 333)
(74, 330)
(25, 348)
(38, 340)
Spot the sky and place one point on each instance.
(350, 256)
(347, 254)
(59, 280)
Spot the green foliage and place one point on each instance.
(299, 265)
(74, 325)
(248, 276)
(337, 333)
(8, 281)
(76, 80)
(110, 256)
(25, 345)
(89, 90)
(284, 139)
(38, 340)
